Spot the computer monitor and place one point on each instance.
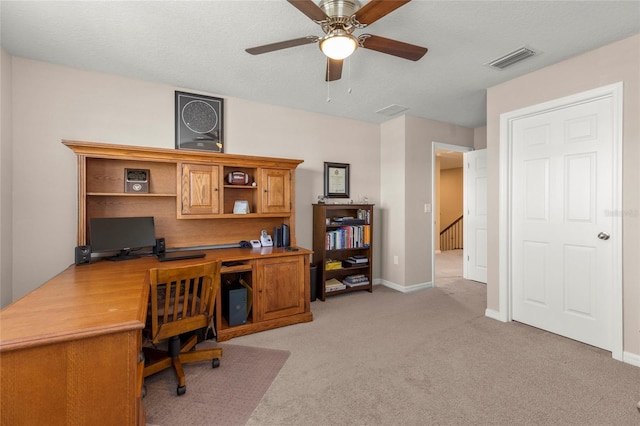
(121, 234)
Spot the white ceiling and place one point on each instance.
(199, 45)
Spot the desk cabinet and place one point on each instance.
(69, 350)
(199, 190)
(78, 382)
(276, 190)
(280, 290)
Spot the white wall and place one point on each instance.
(6, 255)
(51, 103)
(619, 61)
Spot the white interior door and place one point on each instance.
(475, 216)
(562, 199)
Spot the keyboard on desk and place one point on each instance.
(179, 255)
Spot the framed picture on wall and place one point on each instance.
(336, 180)
(199, 122)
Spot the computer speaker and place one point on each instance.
(160, 247)
(83, 255)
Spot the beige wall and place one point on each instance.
(51, 103)
(480, 137)
(619, 61)
(451, 182)
(406, 150)
(392, 199)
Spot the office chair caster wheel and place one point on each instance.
(181, 390)
(215, 363)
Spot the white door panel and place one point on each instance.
(475, 216)
(562, 188)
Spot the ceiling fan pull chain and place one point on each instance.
(328, 92)
(349, 75)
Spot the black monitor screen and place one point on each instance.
(122, 234)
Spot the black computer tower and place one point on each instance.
(234, 305)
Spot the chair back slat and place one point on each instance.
(183, 295)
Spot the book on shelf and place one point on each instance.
(348, 263)
(355, 236)
(333, 285)
(361, 283)
(330, 289)
(332, 264)
(356, 280)
(356, 277)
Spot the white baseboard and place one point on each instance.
(405, 289)
(629, 358)
(490, 313)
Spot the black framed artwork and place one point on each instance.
(336, 180)
(199, 122)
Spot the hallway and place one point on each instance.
(448, 266)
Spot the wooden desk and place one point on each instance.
(69, 350)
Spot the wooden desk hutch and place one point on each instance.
(70, 350)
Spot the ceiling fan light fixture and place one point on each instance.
(338, 45)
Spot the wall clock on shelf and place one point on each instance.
(199, 122)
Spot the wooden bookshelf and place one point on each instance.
(342, 232)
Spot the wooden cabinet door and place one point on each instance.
(276, 190)
(199, 189)
(280, 287)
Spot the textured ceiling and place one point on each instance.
(199, 45)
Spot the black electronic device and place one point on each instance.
(83, 255)
(123, 235)
(179, 255)
(286, 236)
(160, 246)
(234, 305)
(277, 236)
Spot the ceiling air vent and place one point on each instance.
(512, 58)
(392, 110)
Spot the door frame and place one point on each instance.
(449, 147)
(615, 92)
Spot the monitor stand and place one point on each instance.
(123, 255)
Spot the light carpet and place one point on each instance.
(226, 395)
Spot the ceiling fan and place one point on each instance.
(339, 19)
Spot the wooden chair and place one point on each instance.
(181, 301)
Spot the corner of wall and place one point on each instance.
(6, 172)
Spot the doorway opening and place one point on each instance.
(448, 213)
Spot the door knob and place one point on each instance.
(603, 236)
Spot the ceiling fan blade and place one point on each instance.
(376, 9)
(310, 9)
(281, 45)
(334, 69)
(392, 47)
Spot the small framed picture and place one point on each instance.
(336, 180)
(199, 122)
